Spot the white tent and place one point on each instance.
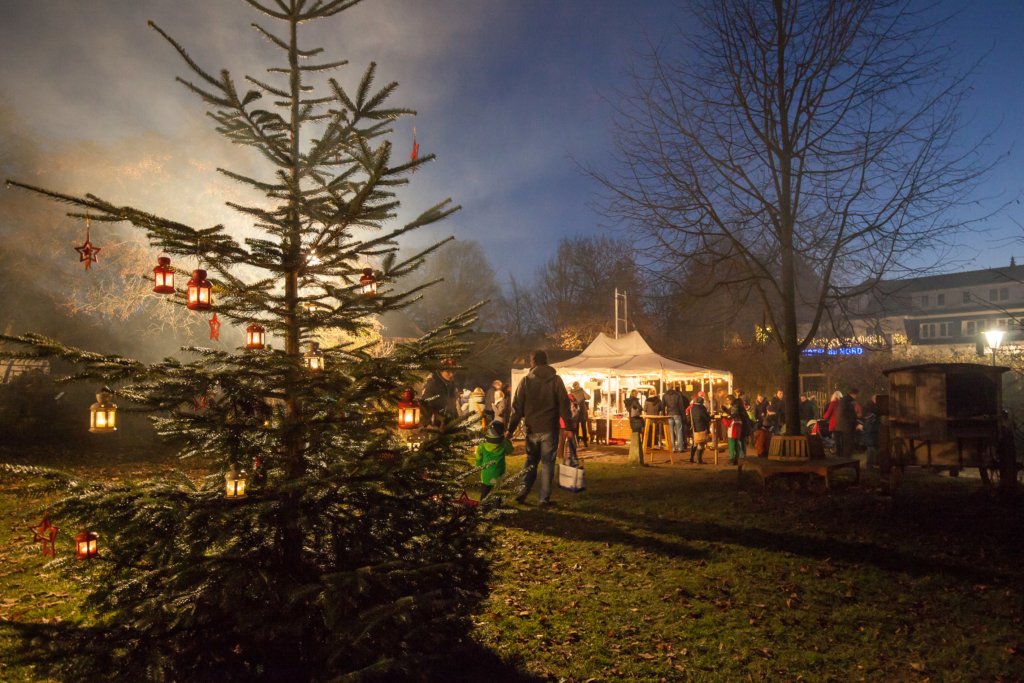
(611, 364)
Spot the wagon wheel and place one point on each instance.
(897, 460)
(1004, 474)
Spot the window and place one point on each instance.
(969, 328)
(924, 301)
(940, 300)
(1004, 293)
(936, 330)
(967, 297)
(993, 295)
(1002, 324)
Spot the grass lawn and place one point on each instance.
(680, 573)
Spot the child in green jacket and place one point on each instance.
(491, 455)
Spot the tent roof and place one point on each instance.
(628, 355)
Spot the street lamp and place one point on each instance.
(995, 338)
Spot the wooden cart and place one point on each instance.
(948, 416)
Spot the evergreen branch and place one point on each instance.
(184, 55)
(269, 12)
(311, 67)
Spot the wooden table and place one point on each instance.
(823, 467)
(652, 422)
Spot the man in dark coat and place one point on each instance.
(541, 401)
(808, 412)
(700, 421)
(846, 424)
(583, 398)
(779, 408)
(760, 410)
(440, 402)
(674, 404)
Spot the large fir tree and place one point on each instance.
(350, 555)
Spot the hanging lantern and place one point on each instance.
(368, 282)
(103, 414)
(408, 411)
(200, 292)
(314, 357)
(415, 442)
(236, 482)
(85, 545)
(255, 336)
(163, 276)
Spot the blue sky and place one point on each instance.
(509, 93)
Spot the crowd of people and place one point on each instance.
(552, 415)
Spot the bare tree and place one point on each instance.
(514, 315)
(796, 134)
(573, 292)
(468, 279)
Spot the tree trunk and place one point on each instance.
(292, 438)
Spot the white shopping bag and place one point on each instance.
(571, 478)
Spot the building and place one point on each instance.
(955, 309)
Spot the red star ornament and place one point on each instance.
(415, 149)
(87, 252)
(214, 328)
(45, 533)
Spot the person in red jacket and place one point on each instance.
(832, 412)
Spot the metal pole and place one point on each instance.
(616, 312)
(625, 317)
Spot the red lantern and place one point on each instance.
(368, 282)
(163, 276)
(85, 545)
(200, 292)
(255, 336)
(408, 411)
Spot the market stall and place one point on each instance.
(610, 368)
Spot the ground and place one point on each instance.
(687, 573)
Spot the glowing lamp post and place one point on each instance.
(255, 336)
(314, 357)
(235, 482)
(163, 276)
(995, 340)
(103, 414)
(200, 292)
(368, 282)
(408, 411)
(85, 545)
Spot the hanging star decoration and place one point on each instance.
(45, 533)
(214, 328)
(415, 149)
(87, 252)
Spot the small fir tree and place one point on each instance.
(350, 556)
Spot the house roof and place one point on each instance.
(971, 278)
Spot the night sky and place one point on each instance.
(510, 93)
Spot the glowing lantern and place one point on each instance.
(200, 292)
(163, 277)
(236, 482)
(368, 282)
(314, 357)
(408, 411)
(85, 545)
(103, 414)
(255, 336)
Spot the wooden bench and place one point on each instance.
(823, 467)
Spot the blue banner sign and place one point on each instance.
(843, 351)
